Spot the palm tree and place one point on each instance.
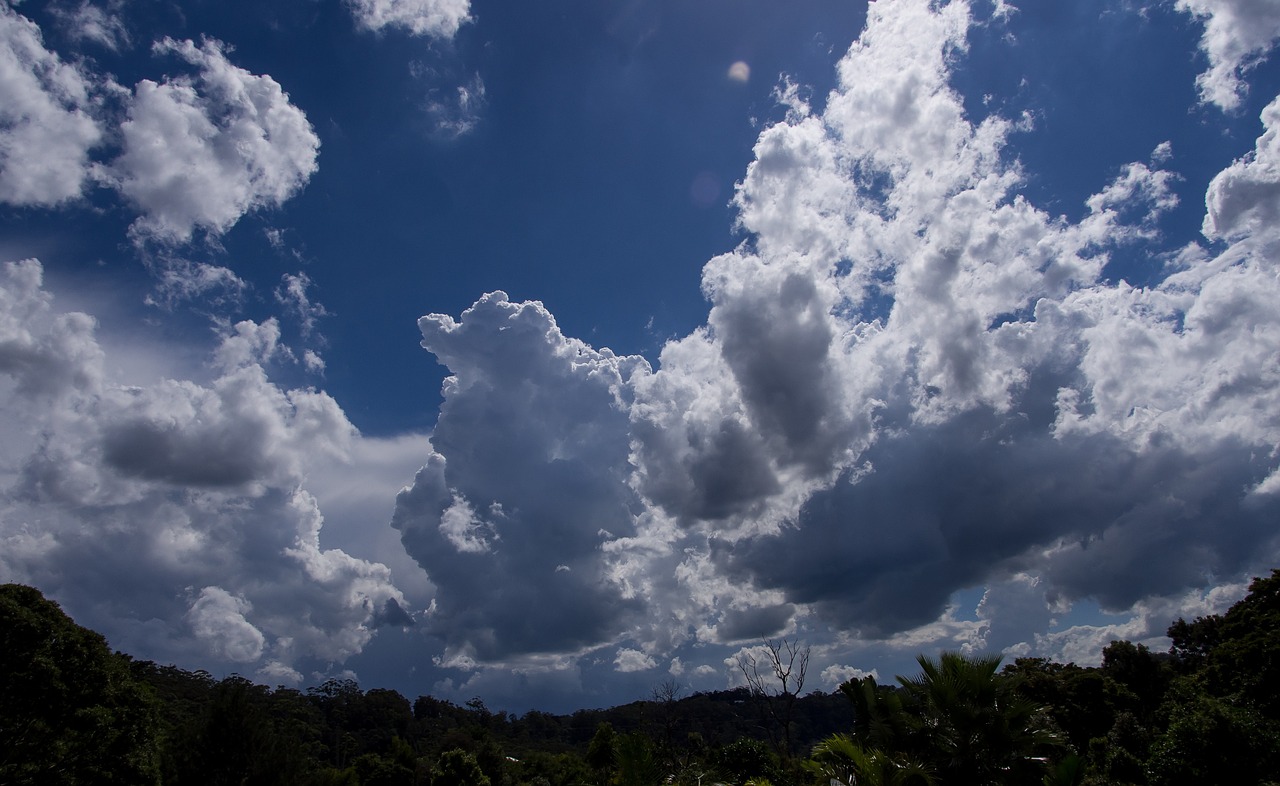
(880, 718)
(977, 728)
(840, 759)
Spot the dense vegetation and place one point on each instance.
(1207, 712)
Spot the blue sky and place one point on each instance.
(545, 352)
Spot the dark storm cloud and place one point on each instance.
(393, 614)
(981, 497)
(754, 624)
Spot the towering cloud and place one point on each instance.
(911, 381)
(528, 480)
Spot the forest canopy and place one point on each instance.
(1206, 712)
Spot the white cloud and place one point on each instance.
(437, 18)
(179, 280)
(836, 675)
(45, 355)
(89, 22)
(629, 660)
(455, 112)
(292, 293)
(1146, 622)
(278, 673)
(46, 125)
(313, 362)
(201, 152)
(1244, 199)
(912, 381)
(464, 531)
(1237, 35)
(151, 490)
(217, 617)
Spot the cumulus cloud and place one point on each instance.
(196, 151)
(912, 381)
(436, 18)
(141, 507)
(837, 674)
(629, 660)
(46, 125)
(217, 617)
(1237, 35)
(201, 151)
(528, 474)
(1244, 199)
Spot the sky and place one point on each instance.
(548, 352)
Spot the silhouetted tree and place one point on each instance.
(979, 730)
(71, 711)
(775, 684)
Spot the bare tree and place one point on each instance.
(667, 691)
(775, 681)
(664, 695)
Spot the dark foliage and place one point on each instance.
(70, 709)
(1208, 712)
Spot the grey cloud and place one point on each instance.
(46, 354)
(121, 501)
(753, 624)
(392, 613)
(912, 381)
(532, 442)
(722, 473)
(971, 501)
(202, 458)
(777, 337)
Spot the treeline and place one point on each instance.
(1206, 712)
